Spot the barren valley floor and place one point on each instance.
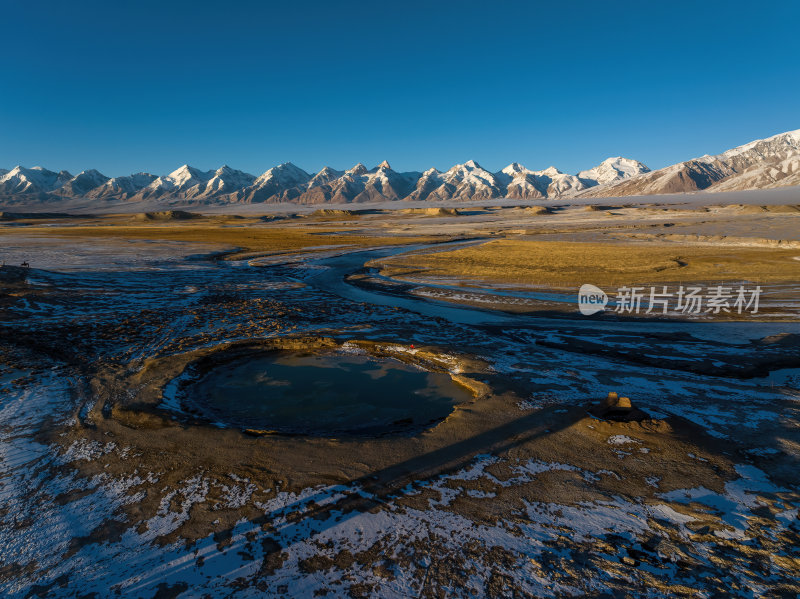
(116, 479)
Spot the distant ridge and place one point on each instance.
(765, 163)
(761, 164)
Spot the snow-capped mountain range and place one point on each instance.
(761, 164)
(289, 183)
(770, 162)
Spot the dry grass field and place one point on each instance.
(248, 237)
(558, 264)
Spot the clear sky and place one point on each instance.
(129, 86)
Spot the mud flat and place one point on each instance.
(559, 456)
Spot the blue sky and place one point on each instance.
(152, 85)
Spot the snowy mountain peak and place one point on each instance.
(760, 164)
(91, 176)
(122, 186)
(612, 170)
(287, 170)
(324, 176)
(181, 170)
(469, 168)
(32, 180)
(294, 172)
(514, 169)
(84, 182)
(186, 173)
(276, 180)
(768, 147)
(384, 166)
(357, 170)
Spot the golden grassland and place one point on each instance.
(247, 237)
(566, 264)
(554, 264)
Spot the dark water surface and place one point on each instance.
(325, 394)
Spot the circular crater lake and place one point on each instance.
(323, 394)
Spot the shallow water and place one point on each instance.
(324, 394)
(333, 280)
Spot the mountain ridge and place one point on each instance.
(760, 164)
(765, 163)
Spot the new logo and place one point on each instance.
(591, 300)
